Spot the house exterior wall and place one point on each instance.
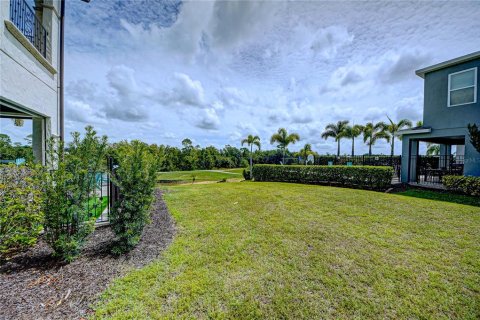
(443, 120)
(436, 113)
(27, 82)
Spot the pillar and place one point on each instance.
(38, 140)
(445, 155)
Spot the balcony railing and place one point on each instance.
(24, 18)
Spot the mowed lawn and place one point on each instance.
(286, 251)
(200, 175)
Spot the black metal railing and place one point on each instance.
(24, 18)
(104, 194)
(431, 169)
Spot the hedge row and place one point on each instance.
(462, 184)
(367, 177)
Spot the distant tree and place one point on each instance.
(433, 149)
(474, 134)
(284, 139)
(305, 152)
(392, 128)
(189, 155)
(251, 141)
(419, 123)
(336, 131)
(352, 132)
(374, 132)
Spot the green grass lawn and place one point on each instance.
(101, 205)
(200, 175)
(287, 251)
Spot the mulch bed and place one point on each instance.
(34, 285)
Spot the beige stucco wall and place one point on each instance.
(24, 79)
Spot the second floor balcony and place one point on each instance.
(26, 20)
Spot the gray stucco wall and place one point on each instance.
(436, 113)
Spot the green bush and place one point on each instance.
(68, 181)
(462, 184)
(246, 174)
(349, 176)
(20, 209)
(135, 177)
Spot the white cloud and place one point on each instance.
(208, 119)
(80, 111)
(326, 42)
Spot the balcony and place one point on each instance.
(25, 19)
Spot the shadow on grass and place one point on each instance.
(441, 196)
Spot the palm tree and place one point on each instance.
(336, 131)
(305, 152)
(373, 132)
(433, 149)
(392, 128)
(251, 141)
(284, 139)
(352, 132)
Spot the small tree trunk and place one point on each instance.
(353, 147)
(338, 148)
(283, 158)
(370, 148)
(393, 146)
(251, 162)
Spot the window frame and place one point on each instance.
(474, 86)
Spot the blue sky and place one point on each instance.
(217, 71)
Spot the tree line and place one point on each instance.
(194, 157)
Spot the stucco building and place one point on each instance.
(451, 102)
(30, 62)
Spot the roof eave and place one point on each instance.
(413, 131)
(421, 72)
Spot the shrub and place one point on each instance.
(68, 181)
(135, 177)
(352, 176)
(466, 185)
(20, 209)
(246, 174)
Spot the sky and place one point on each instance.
(216, 71)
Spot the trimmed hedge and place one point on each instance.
(466, 185)
(367, 177)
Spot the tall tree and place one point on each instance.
(284, 139)
(374, 132)
(352, 132)
(251, 141)
(305, 152)
(336, 131)
(392, 128)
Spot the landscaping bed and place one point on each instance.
(34, 285)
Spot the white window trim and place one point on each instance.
(474, 87)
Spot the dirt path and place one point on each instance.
(35, 286)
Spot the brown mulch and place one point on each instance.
(33, 285)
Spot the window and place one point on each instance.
(462, 87)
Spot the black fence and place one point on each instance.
(431, 169)
(104, 194)
(24, 18)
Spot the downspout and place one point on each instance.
(61, 74)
